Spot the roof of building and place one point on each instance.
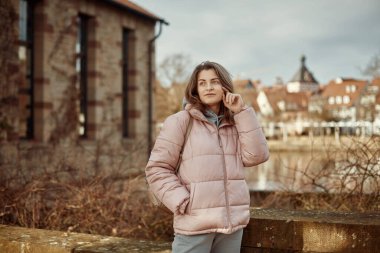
(376, 81)
(245, 84)
(128, 5)
(250, 98)
(293, 101)
(344, 87)
(274, 95)
(303, 75)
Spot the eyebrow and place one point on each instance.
(216, 78)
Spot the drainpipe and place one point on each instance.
(150, 85)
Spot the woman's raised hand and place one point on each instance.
(232, 101)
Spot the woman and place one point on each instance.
(208, 196)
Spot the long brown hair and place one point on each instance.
(191, 93)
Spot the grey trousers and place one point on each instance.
(208, 243)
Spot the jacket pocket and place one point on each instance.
(209, 194)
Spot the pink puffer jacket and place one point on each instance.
(211, 177)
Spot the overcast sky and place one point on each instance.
(264, 39)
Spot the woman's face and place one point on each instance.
(209, 88)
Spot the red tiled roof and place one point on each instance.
(334, 89)
(250, 98)
(137, 9)
(274, 95)
(376, 81)
(293, 101)
(244, 83)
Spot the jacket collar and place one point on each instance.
(197, 114)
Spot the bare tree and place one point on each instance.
(174, 69)
(367, 109)
(344, 177)
(372, 69)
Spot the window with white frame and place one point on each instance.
(338, 100)
(346, 99)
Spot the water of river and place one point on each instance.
(288, 170)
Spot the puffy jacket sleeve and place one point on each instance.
(160, 170)
(254, 148)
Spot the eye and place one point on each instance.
(201, 83)
(215, 82)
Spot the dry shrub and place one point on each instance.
(54, 188)
(64, 184)
(348, 179)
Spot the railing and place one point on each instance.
(324, 128)
(269, 231)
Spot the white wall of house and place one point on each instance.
(294, 87)
(263, 102)
(346, 113)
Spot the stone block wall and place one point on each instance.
(9, 69)
(55, 34)
(57, 31)
(24, 240)
(269, 231)
(283, 231)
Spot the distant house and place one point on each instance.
(377, 109)
(250, 99)
(277, 102)
(303, 80)
(342, 97)
(317, 103)
(376, 81)
(249, 91)
(369, 101)
(82, 69)
(245, 84)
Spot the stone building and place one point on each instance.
(76, 69)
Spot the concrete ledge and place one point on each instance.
(25, 240)
(273, 230)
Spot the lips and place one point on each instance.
(210, 94)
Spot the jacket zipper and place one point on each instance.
(225, 183)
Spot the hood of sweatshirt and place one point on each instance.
(210, 115)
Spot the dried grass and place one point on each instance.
(53, 189)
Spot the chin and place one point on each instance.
(211, 101)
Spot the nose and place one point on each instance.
(209, 86)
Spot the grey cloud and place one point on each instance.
(265, 39)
